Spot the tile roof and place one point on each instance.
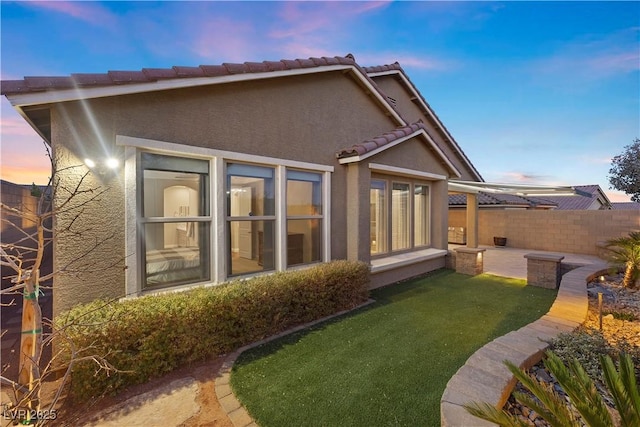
(150, 75)
(380, 141)
(588, 195)
(486, 199)
(626, 206)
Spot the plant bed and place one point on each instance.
(620, 332)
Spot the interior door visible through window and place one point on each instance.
(250, 218)
(245, 244)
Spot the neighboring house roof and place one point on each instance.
(497, 200)
(387, 140)
(626, 206)
(589, 197)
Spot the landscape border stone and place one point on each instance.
(524, 348)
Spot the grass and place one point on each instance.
(388, 363)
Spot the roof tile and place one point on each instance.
(257, 67)
(331, 60)
(319, 61)
(148, 75)
(160, 73)
(379, 141)
(189, 71)
(119, 77)
(307, 63)
(14, 86)
(275, 65)
(41, 83)
(214, 70)
(234, 68)
(91, 79)
(291, 63)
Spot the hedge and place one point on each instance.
(149, 336)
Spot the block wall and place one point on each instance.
(578, 232)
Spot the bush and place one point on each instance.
(150, 336)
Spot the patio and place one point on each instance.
(510, 262)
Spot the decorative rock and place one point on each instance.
(616, 299)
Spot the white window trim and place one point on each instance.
(395, 175)
(392, 261)
(171, 148)
(409, 173)
(217, 175)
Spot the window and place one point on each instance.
(250, 218)
(421, 215)
(304, 217)
(378, 227)
(400, 217)
(401, 220)
(175, 220)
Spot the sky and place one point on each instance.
(533, 92)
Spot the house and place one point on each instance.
(588, 197)
(198, 175)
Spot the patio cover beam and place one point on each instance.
(472, 187)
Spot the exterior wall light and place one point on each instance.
(103, 166)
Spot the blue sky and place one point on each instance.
(534, 92)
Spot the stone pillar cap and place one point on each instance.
(544, 257)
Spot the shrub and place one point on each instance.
(587, 406)
(152, 335)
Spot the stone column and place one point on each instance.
(470, 261)
(543, 270)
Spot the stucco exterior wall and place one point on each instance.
(412, 112)
(577, 232)
(88, 245)
(303, 118)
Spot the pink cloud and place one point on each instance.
(593, 59)
(306, 17)
(224, 38)
(15, 126)
(90, 12)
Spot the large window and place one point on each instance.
(421, 223)
(304, 217)
(203, 220)
(400, 217)
(175, 220)
(401, 220)
(378, 227)
(250, 218)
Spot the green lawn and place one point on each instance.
(388, 363)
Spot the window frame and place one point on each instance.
(314, 217)
(142, 220)
(229, 218)
(389, 181)
(133, 201)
